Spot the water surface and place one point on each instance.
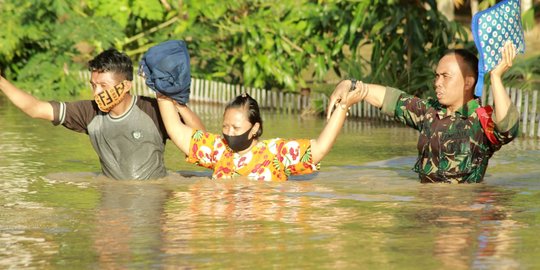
(364, 210)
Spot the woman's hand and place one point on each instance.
(358, 94)
(160, 96)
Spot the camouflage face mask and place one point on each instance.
(109, 98)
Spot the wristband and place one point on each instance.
(344, 108)
(353, 85)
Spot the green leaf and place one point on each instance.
(250, 70)
(307, 156)
(527, 19)
(320, 66)
(377, 27)
(148, 9)
(119, 10)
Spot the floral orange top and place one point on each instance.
(269, 160)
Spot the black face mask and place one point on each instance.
(240, 142)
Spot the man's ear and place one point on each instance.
(128, 84)
(469, 82)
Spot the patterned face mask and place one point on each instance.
(109, 98)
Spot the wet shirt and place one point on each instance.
(451, 148)
(268, 160)
(129, 146)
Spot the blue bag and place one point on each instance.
(491, 28)
(167, 70)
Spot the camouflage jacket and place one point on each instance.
(451, 148)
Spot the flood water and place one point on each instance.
(365, 209)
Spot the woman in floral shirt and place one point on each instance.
(240, 152)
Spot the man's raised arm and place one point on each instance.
(501, 99)
(27, 103)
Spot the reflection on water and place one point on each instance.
(236, 215)
(364, 210)
(475, 230)
(128, 230)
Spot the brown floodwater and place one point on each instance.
(365, 209)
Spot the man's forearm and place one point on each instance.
(376, 95)
(501, 99)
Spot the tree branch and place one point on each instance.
(151, 30)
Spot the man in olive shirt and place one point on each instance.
(126, 131)
(453, 146)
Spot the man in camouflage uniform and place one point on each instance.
(453, 146)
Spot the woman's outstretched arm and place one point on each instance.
(190, 118)
(179, 133)
(322, 145)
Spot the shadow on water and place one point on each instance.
(365, 209)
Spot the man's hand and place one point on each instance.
(342, 96)
(359, 94)
(508, 54)
(339, 94)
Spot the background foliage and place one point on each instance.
(284, 44)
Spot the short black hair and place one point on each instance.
(252, 107)
(113, 61)
(468, 57)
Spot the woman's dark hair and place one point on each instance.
(252, 108)
(113, 61)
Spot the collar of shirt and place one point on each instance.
(464, 112)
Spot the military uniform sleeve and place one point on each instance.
(391, 98)
(405, 108)
(507, 128)
(74, 115)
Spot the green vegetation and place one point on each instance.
(264, 44)
(525, 74)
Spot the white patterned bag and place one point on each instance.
(491, 29)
